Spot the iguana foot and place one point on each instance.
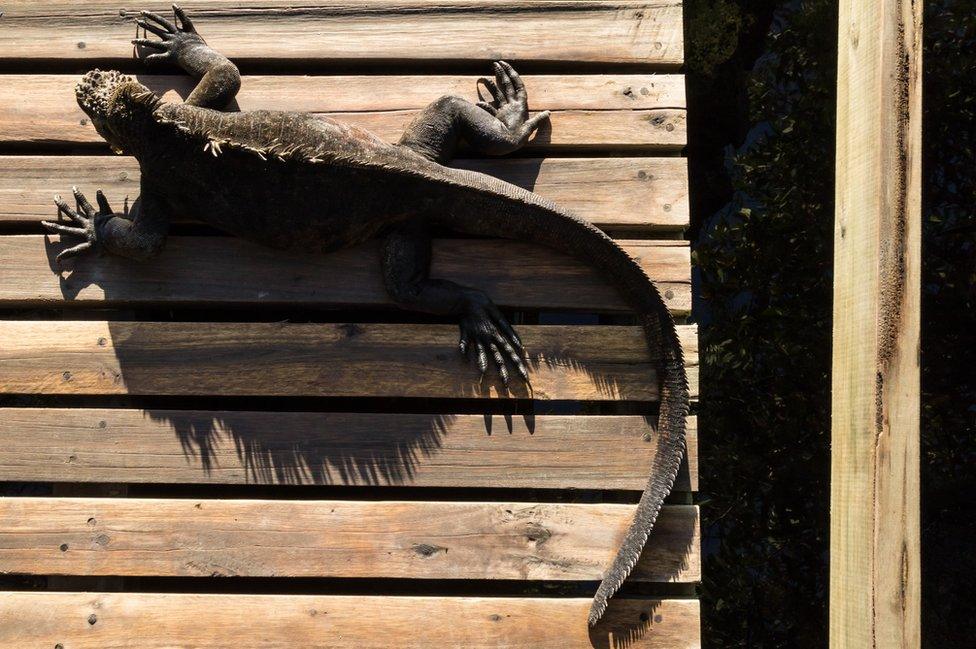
(87, 220)
(176, 37)
(485, 332)
(509, 102)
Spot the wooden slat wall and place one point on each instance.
(219, 271)
(590, 112)
(248, 447)
(127, 386)
(636, 193)
(633, 32)
(164, 621)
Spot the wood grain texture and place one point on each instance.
(285, 359)
(342, 31)
(874, 531)
(195, 621)
(590, 111)
(609, 192)
(180, 537)
(416, 450)
(208, 271)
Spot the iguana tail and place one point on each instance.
(490, 207)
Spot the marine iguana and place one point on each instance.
(293, 181)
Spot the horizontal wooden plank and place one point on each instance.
(610, 192)
(337, 539)
(204, 621)
(227, 270)
(588, 111)
(343, 32)
(378, 360)
(416, 450)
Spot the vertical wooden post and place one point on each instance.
(874, 527)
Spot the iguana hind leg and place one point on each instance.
(495, 127)
(219, 79)
(486, 335)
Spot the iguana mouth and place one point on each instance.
(96, 89)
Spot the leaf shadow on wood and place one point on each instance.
(317, 448)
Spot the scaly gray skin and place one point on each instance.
(296, 182)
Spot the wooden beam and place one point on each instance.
(165, 621)
(209, 271)
(588, 111)
(180, 537)
(245, 447)
(609, 192)
(338, 360)
(874, 567)
(339, 32)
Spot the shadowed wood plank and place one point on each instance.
(336, 31)
(215, 270)
(185, 621)
(587, 111)
(337, 538)
(379, 360)
(234, 447)
(610, 192)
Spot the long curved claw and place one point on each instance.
(486, 334)
(499, 362)
(155, 29)
(509, 104)
(186, 23)
(63, 208)
(147, 42)
(504, 81)
(84, 215)
(159, 20)
(103, 206)
(73, 251)
(175, 36)
(58, 228)
(83, 204)
(517, 85)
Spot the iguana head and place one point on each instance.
(117, 105)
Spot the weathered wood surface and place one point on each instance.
(227, 270)
(610, 192)
(417, 450)
(195, 621)
(337, 538)
(592, 111)
(875, 597)
(346, 32)
(340, 360)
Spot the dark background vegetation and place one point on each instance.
(761, 92)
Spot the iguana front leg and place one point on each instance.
(485, 333)
(495, 127)
(137, 234)
(182, 45)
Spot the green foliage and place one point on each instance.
(949, 323)
(765, 281)
(716, 25)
